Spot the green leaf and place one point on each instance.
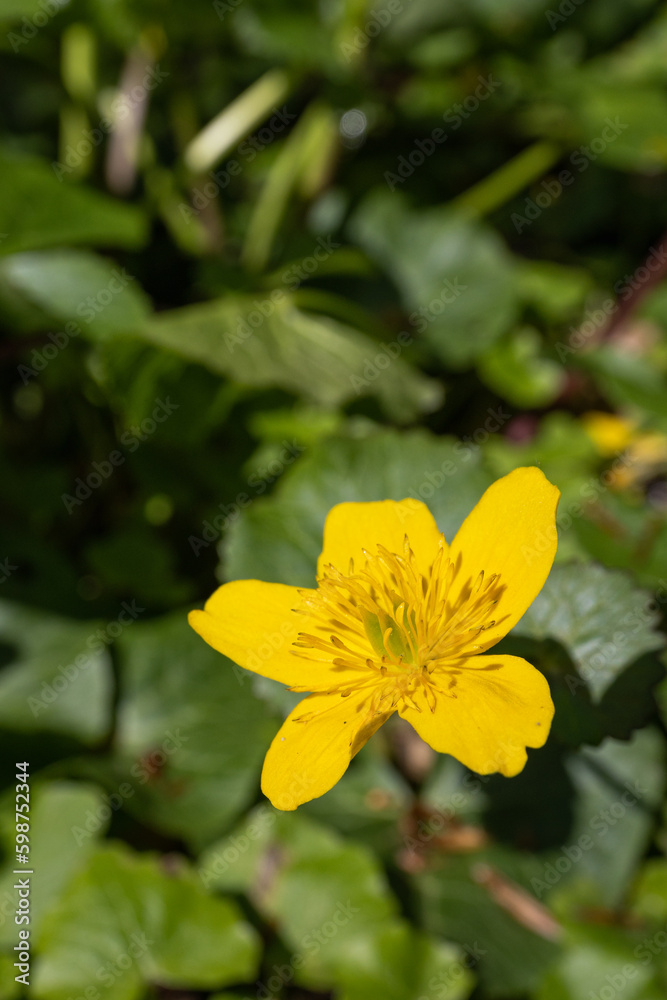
(221, 135)
(626, 705)
(233, 863)
(369, 803)
(600, 617)
(654, 306)
(627, 534)
(632, 382)
(190, 735)
(327, 894)
(280, 538)
(58, 677)
(80, 287)
(125, 922)
(447, 790)
(649, 897)
(64, 821)
(289, 36)
(516, 369)
(561, 448)
(134, 376)
(303, 158)
(564, 450)
(267, 341)
(596, 962)
(37, 210)
(535, 807)
(456, 275)
(403, 964)
(509, 958)
(619, 787)
(332, 907)
(625, 126)
(339, 870)
(556, 292)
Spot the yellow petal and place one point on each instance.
(307, 758)
(351, 527)
(253, 623)
(511, 532)
(498, 706)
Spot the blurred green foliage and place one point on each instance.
(257, 259)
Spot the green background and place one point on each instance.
(257, 258)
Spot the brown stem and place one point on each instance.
(637, 295)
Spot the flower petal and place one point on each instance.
(307, 758)
(498, 706)
(351, 527)
(511, 532)
(254, 624)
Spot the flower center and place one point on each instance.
(386, 619)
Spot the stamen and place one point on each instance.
(399, 629)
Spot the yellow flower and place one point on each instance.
(645, 452)
(400, 621)
(609, 432)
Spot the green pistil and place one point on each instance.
(396, 644)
